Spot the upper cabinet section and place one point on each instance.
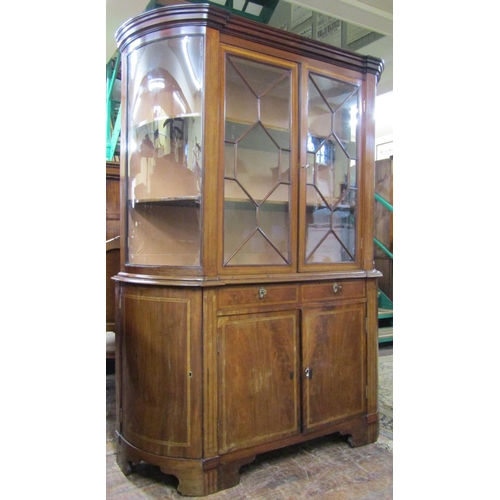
(247, 151)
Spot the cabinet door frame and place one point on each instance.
(321, 364)
(149, 347)
(256, 375)
(353, 78)
(274, 60)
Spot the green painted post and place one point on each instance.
(111, 141)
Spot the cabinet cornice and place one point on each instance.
(186, 15)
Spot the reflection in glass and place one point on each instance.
(257, 163)
(164, 156)
(331, 191)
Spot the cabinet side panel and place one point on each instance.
(161, 378)
(368, 181)
(372, 360)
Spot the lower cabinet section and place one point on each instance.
(207, 378)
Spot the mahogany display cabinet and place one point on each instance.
(246, 301)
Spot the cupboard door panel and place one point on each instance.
(161, 370)
(334, 360)
(258, 379)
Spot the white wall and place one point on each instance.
(384, 118)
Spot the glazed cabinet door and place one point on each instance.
(160, 370)
(330, 170)
(259, 178)
(258, 358)
(334, 364)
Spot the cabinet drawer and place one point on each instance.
(339, 289)
(256, 295)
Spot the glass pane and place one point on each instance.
(164, 138)
(257, 163)
(275, 113)
(331, 191)
(257, 155)
(256, 234)
(230, 161)
(260, 78)
(255, 251)
(274, 220)
(281, 173)
(241, 104)
(240, 219)
(345, 125)
(333, 92)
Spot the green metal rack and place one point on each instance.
(257, 10)
(385, 304)
(113, 110)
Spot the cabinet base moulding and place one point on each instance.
(197, 477)
(204, 476)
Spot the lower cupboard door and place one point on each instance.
(258, 378)
(334, 364)
(160, 370)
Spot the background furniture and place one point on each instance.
(247, 296)
(112, 249)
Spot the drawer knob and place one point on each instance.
(337, 288)
(262, 292)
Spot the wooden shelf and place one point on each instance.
(181, 201)
(313, 207)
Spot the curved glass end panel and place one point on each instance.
(164, 146)
(331, 189)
